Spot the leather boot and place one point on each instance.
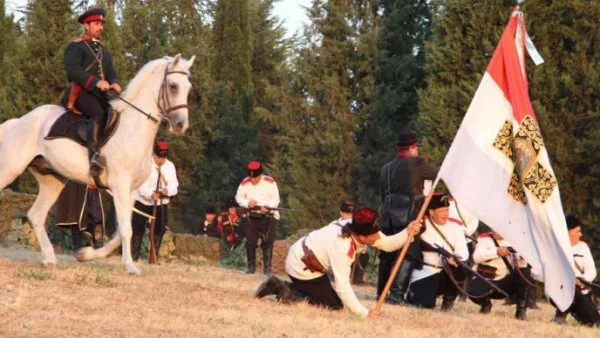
(90, 132)
(560, 317)
(251, 256)
(402, 281)
(486, 306)
(447, 304)
(136, 246)
(521, 313)
(267, 258)
(269, 286)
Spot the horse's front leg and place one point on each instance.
(50, 188)
(123, 198)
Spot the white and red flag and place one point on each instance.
(498, 168)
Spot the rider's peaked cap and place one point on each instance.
(255, 168)
(94, 14)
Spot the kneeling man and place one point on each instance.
(332, 249)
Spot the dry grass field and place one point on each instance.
(203, 300)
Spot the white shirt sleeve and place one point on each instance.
(484, 252)
(391, 243)
(240, 196)
(341, 268)
(589, 268)
(273, 201)
(147, 188)
(171, 176)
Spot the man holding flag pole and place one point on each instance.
(508, 163)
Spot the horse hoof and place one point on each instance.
(133, 270)
(85, 254)
(49, 264)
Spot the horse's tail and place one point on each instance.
(6, 126)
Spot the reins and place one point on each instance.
(162, 95)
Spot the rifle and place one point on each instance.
(244, 211)
(447, 255)
(590, 285)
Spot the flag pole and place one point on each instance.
(409, 240)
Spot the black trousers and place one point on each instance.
(425, 291)
(582, 309)
(92, 106)
(511, 284)
(263, 227)
(318, 292)
(139, 223)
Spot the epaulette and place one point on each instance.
(485, 234)
(457, 221)
(269, 179)
(246, 180)
(583, 242)
(79, 39)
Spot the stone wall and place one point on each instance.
(15, 229)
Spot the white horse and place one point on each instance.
(160, 89)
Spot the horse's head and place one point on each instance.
(174, 93)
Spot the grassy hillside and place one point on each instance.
(181, 300)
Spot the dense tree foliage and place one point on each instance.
(323, 109)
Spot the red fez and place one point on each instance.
(94, 14)
(406, 139)
(363, 222)
(255, 168)
(161, 148)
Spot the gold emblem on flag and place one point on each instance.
(523, 150)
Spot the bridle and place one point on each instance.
(163, 97)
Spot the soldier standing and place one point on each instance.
(258, 193)
(90, 73)
(401, 182)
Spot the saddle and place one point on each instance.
(67, 126)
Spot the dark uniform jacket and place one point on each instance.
(401, 181)
(86, 62)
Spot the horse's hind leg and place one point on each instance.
(50, 188)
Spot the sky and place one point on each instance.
(290, 11)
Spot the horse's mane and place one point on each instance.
(139, 81)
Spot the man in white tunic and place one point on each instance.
(259, 192)
(431, 279)
(332, 249)
(582, 309)
(496, 261)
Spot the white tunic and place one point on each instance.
(454, 234)
(486, 252)
(463, 217)
(335, 255)
(584, 263)
(265, 193)
(168, 180)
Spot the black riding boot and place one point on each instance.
(90, 132)
(486, 306)
(76, 237)
(267, 258)
(403, 280)
(136, 246)
(283, 291)
(251, 256)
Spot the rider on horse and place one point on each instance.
(90, 72)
